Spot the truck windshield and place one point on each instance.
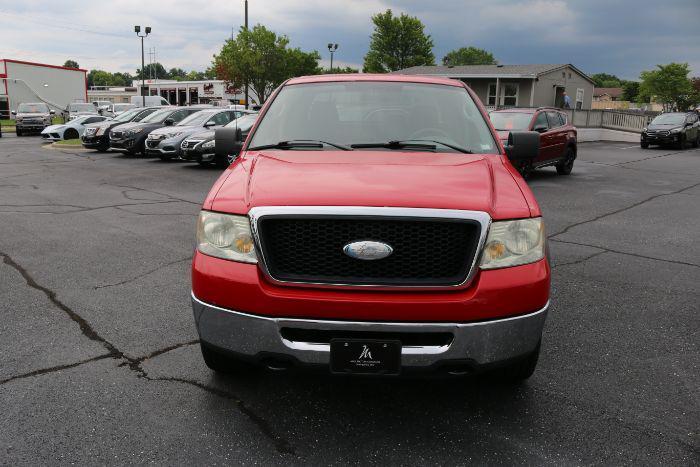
(669, 119)
(506, 121)
(158, 117)
(362, 113)
(33, 108)
(82, 108)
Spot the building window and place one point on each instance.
(509, 94)
(491, 98)
(579, 99)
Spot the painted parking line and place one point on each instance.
(629, 147)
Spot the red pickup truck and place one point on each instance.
(558, 137)
(372, 224)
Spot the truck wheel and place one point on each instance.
(696, 143)
(520, 370)
(18, 131)
(70, 133)
(565, 167)
(223, 364)
(644, 144)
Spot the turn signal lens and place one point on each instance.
(225, 236)
(512, 243)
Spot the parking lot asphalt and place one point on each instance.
(100, 363)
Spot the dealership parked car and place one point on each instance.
(200, 147)
(165, 142)
(558, 137)
(72, 129)
(112, 110)
(31, 116)
(78, 109)
(676, 128)
(96, 135)
(372, 224)
(131, 137)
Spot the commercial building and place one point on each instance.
(194, 92)
(114, 94)
(57, 86)
(519, 85)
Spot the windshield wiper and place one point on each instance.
(300, 143)
(412, 144)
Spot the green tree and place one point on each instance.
(71, 64)
(605, 80)
(338, 70)
(630, 91)
(397, 42)
(262, 59)
(177, 73)
(469, 56)
(155, 70)
(670, 86)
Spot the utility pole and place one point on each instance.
(137, 30)
(246, 28)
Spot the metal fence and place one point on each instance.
(611, 119)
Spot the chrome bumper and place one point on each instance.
(482, 343)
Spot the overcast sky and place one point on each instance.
(621, 37)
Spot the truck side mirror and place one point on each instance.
(52, 112)
(13, 112)
(227, 141)
(169, 122)
(523, 145)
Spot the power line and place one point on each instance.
(56, 26)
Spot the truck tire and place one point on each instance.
(681, 142)
(566, 166)
(696, 142)
(18, 131)
(221, 363)
(644, 144)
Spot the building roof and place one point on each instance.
(612, 92)
(22, 62)
(489, 71)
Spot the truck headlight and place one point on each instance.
(225, 236)
(512, 243)
(676, 130)
(209, 144)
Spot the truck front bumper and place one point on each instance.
(472, 344)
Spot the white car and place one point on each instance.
(72, 129)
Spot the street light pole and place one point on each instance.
(246, 28)
(137, 30)
(332, 48)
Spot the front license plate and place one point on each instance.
(365, 356)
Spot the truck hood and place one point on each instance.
(479, 182)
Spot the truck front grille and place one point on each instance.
(427, 251)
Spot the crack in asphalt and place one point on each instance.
(52, 369)
(121, 208)
(618, 211)
(579, 261)
(77, 208)
(653, 157)
(281, 445)
(169, 196)
(85, 327)
(126, 281)
(636, 255)
(134, 364)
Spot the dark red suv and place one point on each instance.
(557, 136)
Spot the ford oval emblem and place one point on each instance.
(368, 250)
